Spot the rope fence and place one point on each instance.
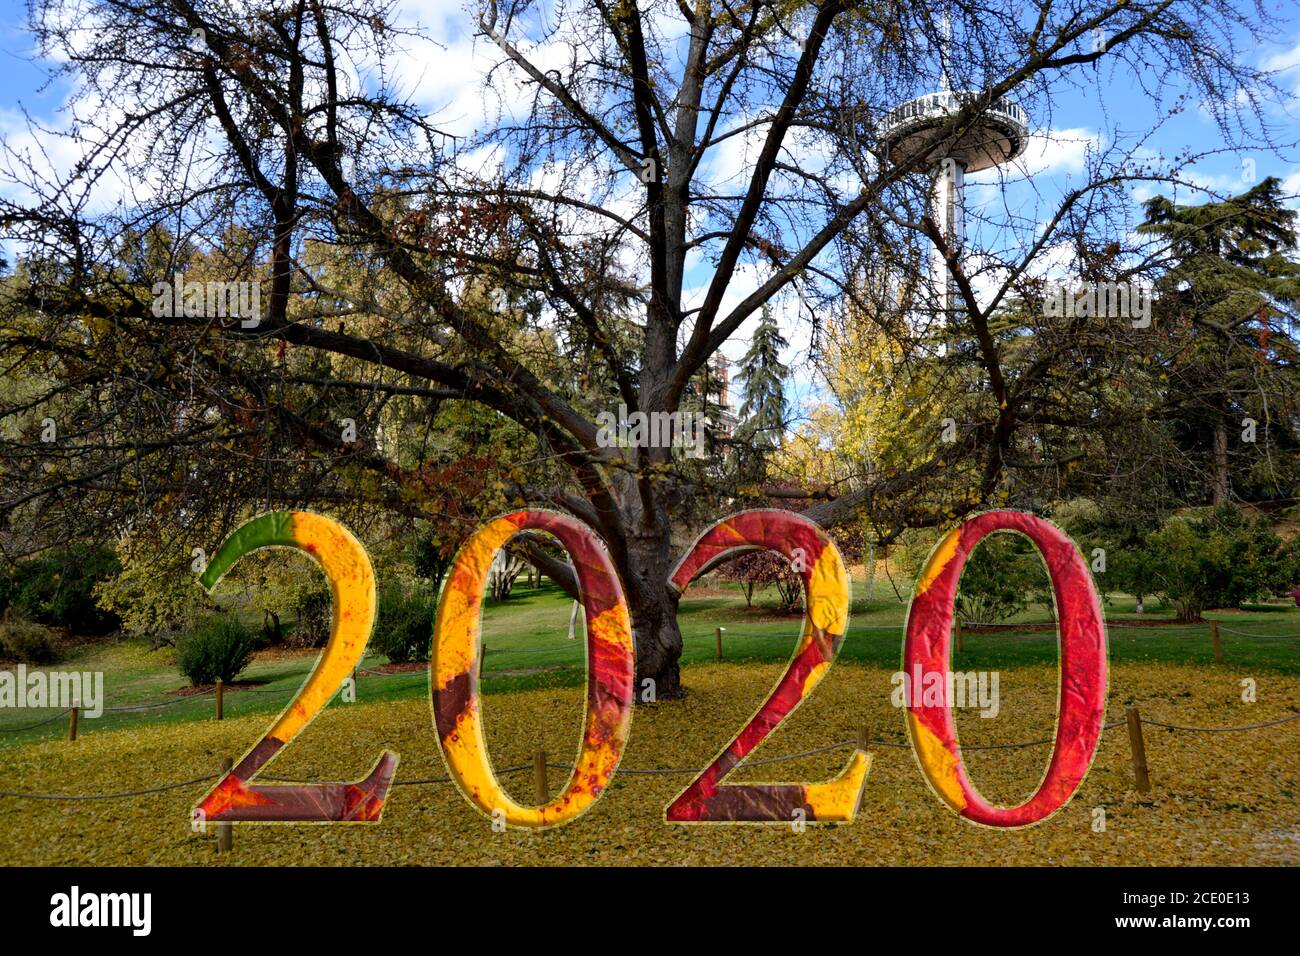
(539, 766)
(109, 796)
(39, 723)
(1133, 719)
(1233, 630)
(1223, 730)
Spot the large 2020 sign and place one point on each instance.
(457, 705)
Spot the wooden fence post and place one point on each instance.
(482, 653)
(864, 738)
(72, 720)
(1218, 644)
(718, 636)
(539, 777)
(221, 698)
(1139, 748)
(961, 645)
(225, 833)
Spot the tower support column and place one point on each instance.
(949, 211)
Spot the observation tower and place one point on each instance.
(915, 128)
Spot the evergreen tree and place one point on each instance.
(1230, 297)
(761, 374)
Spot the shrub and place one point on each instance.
(1217, 559)
(1002, 573)
(314, 617)
(404, 632)
(58, 589)
(756, 570)
(26, 641)
(219, 647)
(154, 594)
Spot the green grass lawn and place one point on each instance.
(527, 648)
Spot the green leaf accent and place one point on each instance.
(264, 531)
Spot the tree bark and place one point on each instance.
(871, 570)
(658, 648)
(653, 607)
(1221, 484)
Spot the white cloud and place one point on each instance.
(1059, 151)
(1287, 65)
(1283, 60)
(1291, 188)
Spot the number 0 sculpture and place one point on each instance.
(1082, 704)
(457, 705)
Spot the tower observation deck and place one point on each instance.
(916, 128)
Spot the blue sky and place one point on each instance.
(1091, 113)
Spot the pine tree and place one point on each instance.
(761, 374)
(1233, 281)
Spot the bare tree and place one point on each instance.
(265, 144)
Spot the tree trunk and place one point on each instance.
(653, 606)
(1221, 485)
(1188, 610)
(871, 570)
(658, 648)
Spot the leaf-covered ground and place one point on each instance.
(1217, 798)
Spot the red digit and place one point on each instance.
(1082, 704)
(826, 586)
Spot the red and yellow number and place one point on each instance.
(1082, 703)
(610, 672)
(826, 587)
(454, 671)
(352, 584)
